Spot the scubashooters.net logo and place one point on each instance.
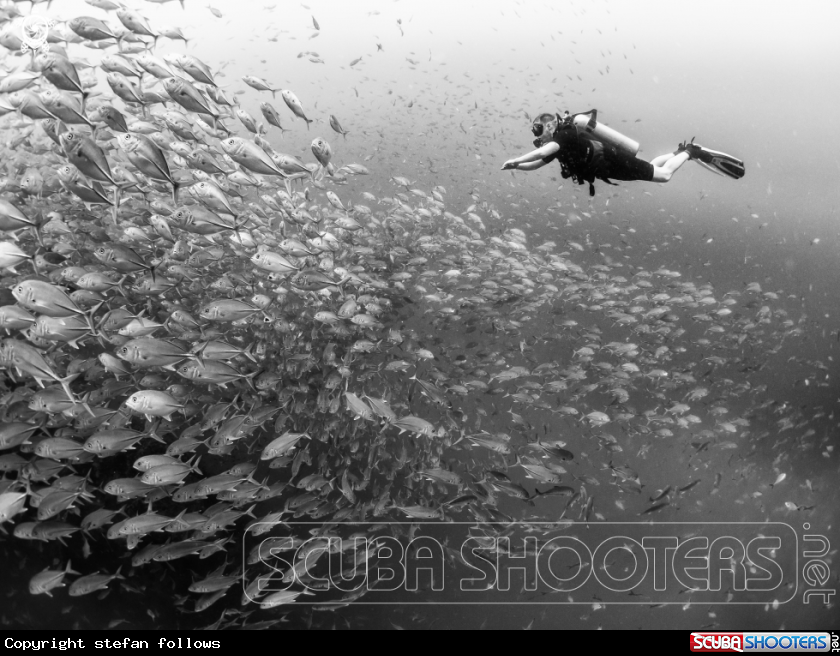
(565, 562)
(35, 30)
(783, 641)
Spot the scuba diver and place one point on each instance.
(587, 149)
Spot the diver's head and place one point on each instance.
(543, 128)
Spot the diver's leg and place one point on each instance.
(666, 165)
(659, 161)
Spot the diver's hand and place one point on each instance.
(510, 164)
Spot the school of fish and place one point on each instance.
(204, 340)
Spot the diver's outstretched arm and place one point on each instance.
(531, 166)
(540, 153)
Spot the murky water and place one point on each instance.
(443, 103)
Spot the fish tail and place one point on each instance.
(249, 379)
(251, 479)
(37, 230)
(182, 7)
(117, 194)
(120, 287)
(194, 467)
(308, 121)
(274, 93)
(156, 437)
(65, 384)
(249, 353)
(89, 315)
(175, 187)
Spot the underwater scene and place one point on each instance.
(303, 327)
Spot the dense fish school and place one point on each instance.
(206, 338)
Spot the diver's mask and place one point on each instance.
(538, 129)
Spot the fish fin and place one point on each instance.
(251, 479)
(74, 343)
(156, 437)
(249, 378)
(248, 353)
(120, 287)
(117, 194)
(65, 384)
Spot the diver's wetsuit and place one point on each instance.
(584, 159)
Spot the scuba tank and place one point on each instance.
(586, 122)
